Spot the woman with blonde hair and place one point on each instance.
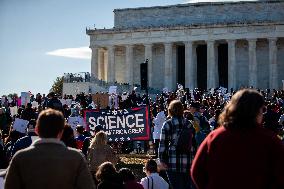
(100, 152)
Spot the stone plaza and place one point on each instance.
(205, 45)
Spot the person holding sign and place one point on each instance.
(48, 163)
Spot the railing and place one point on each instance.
(76, 77)
(122, 87)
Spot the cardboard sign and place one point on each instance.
(101, 100)
(121, 125)
(20, 125)
(112, 90)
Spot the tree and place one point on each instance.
(57, 86)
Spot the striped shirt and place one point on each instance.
(167, 151)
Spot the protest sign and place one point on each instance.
(25, 98)
(121, 125)
(101, 100)
(74, 121)
(112, 90)
(13, 111)
(34, 104)
(20, 125)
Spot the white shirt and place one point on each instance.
(158, 121)
(154, 180)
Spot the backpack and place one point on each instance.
(204, 130)
(203, 124)
(183, 142)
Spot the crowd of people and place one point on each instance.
(199, 137)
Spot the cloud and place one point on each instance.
(198, 1)
(79, 52)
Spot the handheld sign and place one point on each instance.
(121, 125)
(20, 125)
(112, 90)
(74, 121)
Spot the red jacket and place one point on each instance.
(233, 159)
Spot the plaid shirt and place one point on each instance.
(167, 151)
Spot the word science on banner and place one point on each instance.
(121, 125)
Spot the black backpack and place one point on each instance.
(183, 142)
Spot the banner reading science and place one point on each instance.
(121, 125)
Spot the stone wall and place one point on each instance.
(76, 88)
(199, 14)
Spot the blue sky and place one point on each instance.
(42, 39)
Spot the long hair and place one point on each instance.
(106, 171)
(99, 139)
(242, 110)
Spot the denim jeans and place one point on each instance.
(179, 180)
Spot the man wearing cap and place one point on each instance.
(48, 163)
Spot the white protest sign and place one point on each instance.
(212, 91)
(34, 104)
(13, 110)
(74, 121)
(63, 101)
(112, 90)
(20, 125)
(25, 98)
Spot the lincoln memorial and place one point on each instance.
(205, 45)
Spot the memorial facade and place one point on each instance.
(205, 45)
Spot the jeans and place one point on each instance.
(179, 180)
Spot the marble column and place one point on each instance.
(94, 61)
(110, 65)
(190, 66)
(252, 63)
(168, 80)
(273, 67)
(212, 66)
(149, 56)
(129, 64)
(101, 64)
(232, 83)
